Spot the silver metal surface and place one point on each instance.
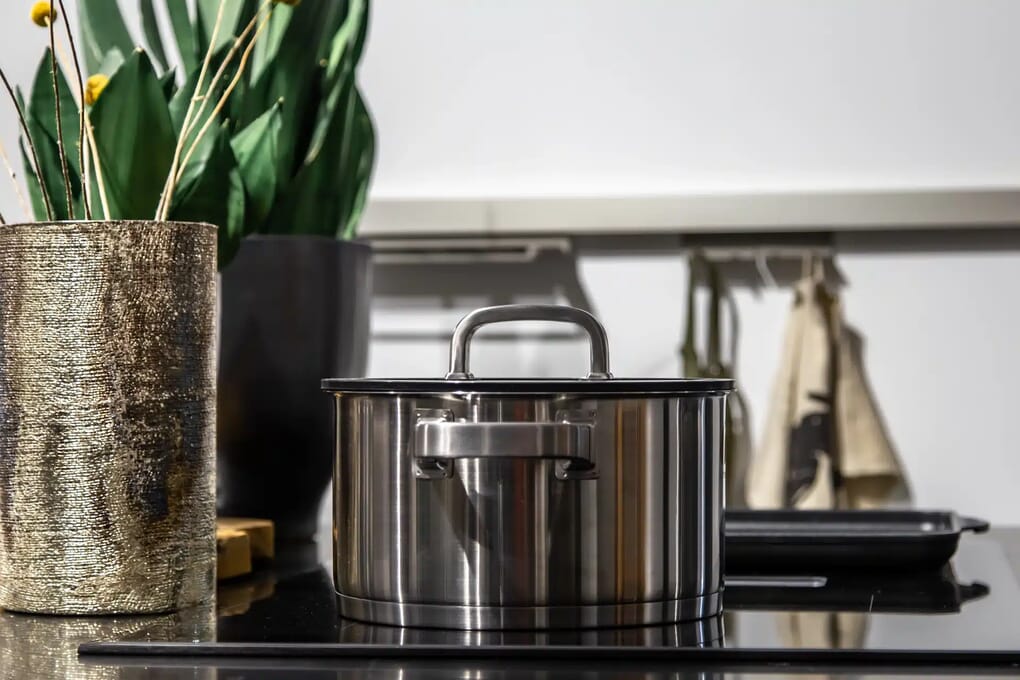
(706, 632)
(563, 617)
(438, 440)
(469, 325)
(495, 536)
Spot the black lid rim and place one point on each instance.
(611, 387)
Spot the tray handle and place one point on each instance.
(978, 526)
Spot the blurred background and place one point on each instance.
(579, 151)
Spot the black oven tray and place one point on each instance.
(824, 541)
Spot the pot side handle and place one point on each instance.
(438, 441)
(469, 325)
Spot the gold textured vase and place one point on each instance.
(107, 417)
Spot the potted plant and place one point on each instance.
(283, 165)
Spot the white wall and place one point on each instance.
(592, 97)
(540, 97)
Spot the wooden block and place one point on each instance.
(233, 554)
(261, 534)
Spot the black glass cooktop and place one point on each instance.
(972, 604)
(966, 615)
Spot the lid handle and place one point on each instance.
(465, 330)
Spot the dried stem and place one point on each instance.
(92, 157)
(163, 207)
(231, 53)
(99, 167)
(22, 201)
(60, 125)
(176, 178)
(31, 145)
(85, 181)
(86, 175)
(223, 99)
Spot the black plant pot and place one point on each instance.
(294, 310)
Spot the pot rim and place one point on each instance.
(612, 387)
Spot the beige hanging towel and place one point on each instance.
(825, 444)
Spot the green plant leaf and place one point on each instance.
(252, 97)
(205, 20)
(112, 61)
(42, 109)
(327, 194)
(168, 83)
(256, 148)
(184, 33)
(344, 52)
(32, 180)
(150, 27)
(182, 97)
(200, 158)
(269, 43)
(362, 34)
(52, 173)
(359, 170)
(239, 99)
(215, 194)
(42, 125)
(135, 139)
(178, 109)
(349, 39)
(296, 74)
(103, 29)
(347, 156)
(180, 101)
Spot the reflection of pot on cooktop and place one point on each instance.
(935, 592)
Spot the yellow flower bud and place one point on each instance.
(94, 87)
(43, 14)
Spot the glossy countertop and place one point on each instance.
(972, 606)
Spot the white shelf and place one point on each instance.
(771, 212)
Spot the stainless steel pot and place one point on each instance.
(528, 504)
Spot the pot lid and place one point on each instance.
(598, 382)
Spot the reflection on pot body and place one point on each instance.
(47, 646)
(509, 543)
(707, 632)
